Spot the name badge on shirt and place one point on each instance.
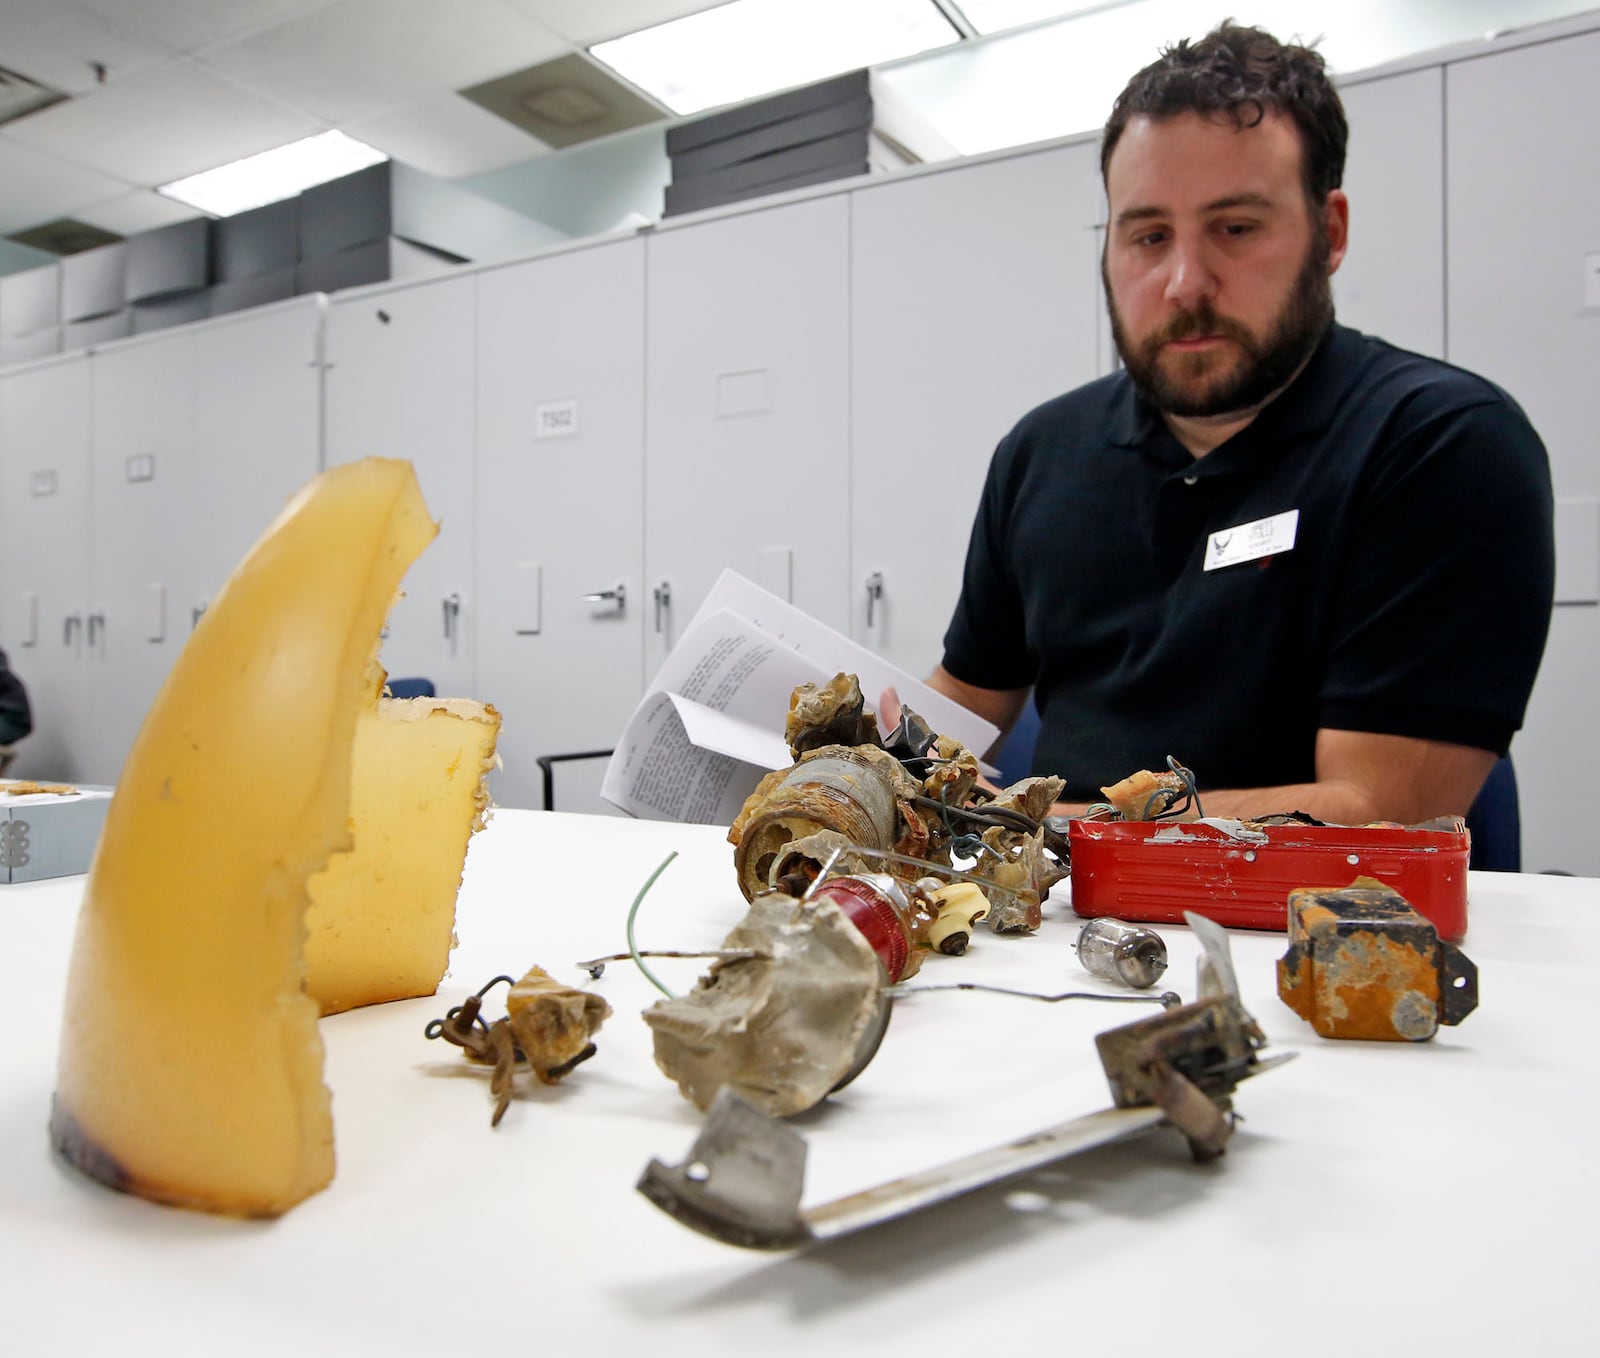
(1252, 541)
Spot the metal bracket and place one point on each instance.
(743, 1178)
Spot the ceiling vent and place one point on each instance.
(566, 101)
(20, 96)
(64, 236)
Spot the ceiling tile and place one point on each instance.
(448, 136)
(589, 21)
(359, 58)
(55, 43)
(184, 25)
(135, 212)
(40, 187)
(162, 124)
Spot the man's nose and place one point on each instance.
(1190, 278)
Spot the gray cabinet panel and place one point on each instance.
(1524, 204)
(44, 558)
(974, 296)
(1391, 283)
(400, 383)
(747, 408)
(257, 417)
(144, 498)
(560, 511)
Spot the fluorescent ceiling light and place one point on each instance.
(991, 16)
(271, 175)
(751, 47)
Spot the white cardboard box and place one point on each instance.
(49, 834)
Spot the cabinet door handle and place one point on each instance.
(663, 598)
(874, 594)
(452, 611)
(97, 625)
(617, 596)
(196, 613)
(69, 627)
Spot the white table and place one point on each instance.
(1379, 1198)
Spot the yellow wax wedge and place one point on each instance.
(382, 917)
(190, 1067)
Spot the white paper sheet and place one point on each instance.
(712, 723)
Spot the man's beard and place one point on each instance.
(1265, 364)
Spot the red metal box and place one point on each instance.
(1242, 874)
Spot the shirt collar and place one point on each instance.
(1306, 407)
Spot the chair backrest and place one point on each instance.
(411, 688)
(547, 769)
(1495, 822)
(1015, 758)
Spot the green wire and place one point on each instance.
(633, 948)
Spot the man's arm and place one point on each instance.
(1000, 706)
(1362, 777)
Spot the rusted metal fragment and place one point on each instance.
(1363, 964)
(1015, 860)
(834, 714)
(1144, 795)
(796, 1017)
(548, 1027)
(859, 792)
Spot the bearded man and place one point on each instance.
(1316, 568)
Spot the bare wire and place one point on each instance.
(1168, 999)
(633, 948)
(596, 966)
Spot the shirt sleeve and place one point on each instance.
(1439, 631)
(985, 644)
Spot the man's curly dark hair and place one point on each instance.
(1243, 74)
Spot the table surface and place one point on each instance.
(1377, 1198)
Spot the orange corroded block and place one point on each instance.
(1363, 964)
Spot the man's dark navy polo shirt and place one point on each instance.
(1414, 601)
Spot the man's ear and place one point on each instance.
(1336, 218)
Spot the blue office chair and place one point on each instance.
(410, 688)
(1015, 757)
(1494, 821)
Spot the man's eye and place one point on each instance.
(1238, 228)
(1150, 238)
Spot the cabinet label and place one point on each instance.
(42, 482)
(555, 419)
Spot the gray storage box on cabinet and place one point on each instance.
(30, 300)
(114, 325)
(48, 834)
(170, 259)
(236, 294)
(265, 240)
(177, 309)
(94, 282)
(395, 200)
